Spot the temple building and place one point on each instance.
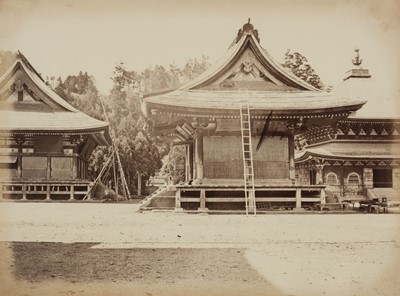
(359, 157)
(45, 143)
(238, 121)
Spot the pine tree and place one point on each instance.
(300, 67)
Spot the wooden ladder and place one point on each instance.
(248, 167)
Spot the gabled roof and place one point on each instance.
(248, 74)
(28, 104)
(246, 55)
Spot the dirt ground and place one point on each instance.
(110, 249)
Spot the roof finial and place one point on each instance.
(357, 61)
(247, 29)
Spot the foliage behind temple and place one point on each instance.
(139, 152)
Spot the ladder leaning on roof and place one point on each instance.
(248, 167)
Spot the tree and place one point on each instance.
(81, 92)
(137, 150)
(194, 67)
(174, 165)
(140, 153)
(300, 67)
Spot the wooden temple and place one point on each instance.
(45, 143)
(205, 116)
(359, 157)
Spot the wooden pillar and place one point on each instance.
(48, 173)
(24, 191)
(72, 192)
(19, 166)
(202, 200)
(342, 180)
(86, 169)
(298, 198)
(79, 161)
(1, 190)
(74, 167)
(48, 192)
(20, 141)
(89, 196)
(323, 200)
(187, 170)
(178, 199)
(199, 157)
(292, 172)
(190, 147)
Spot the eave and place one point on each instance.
(355, 150)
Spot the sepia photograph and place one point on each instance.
(166, 148)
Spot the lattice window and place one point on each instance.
(331, 179)
(353, 179)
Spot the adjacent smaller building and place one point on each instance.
(359, 157)
(45, 143)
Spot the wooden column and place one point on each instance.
(178, 199)
(48, 192)
(202, 200)
(323, 199)
(199, 156)
(48, 173)
(187, 170)
(19, 140)
(298, 198)
(19, 166)
(292, 171)
(342, 179)
(74, 167)
(24, 191)
(89, 196)
(190, 148)
(72, 192)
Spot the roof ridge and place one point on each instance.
(248, 38)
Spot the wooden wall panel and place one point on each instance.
(61, 168)
(223, 158)
(34, 167)
(8, 173)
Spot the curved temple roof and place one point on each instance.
(339, 150)
(247, 74)
(29, 105)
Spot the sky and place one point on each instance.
(63, 37)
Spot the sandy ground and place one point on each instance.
(354, 254)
